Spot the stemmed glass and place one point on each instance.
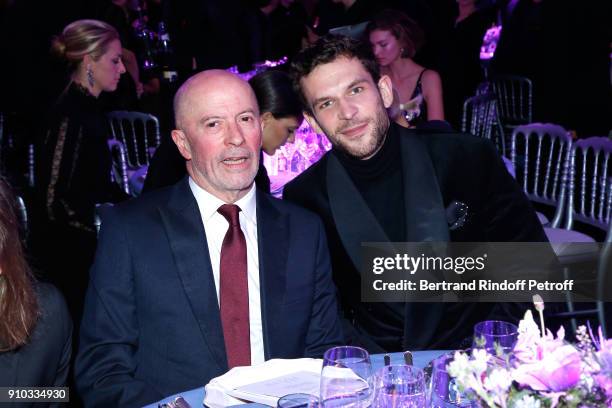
(346, 378)
(399, 386)
(443, 391)
(299, 400)
(494, 335)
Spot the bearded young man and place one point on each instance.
(385, 183)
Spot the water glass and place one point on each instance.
(298, 400)
(399, 386)
(443, 391)
(492, 334)
(346, 378)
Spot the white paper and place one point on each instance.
(305, 382)
(226, 390)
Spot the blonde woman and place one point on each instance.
(74, 162)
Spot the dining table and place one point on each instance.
(420, 359)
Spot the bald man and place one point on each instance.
(182, 290)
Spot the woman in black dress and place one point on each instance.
(73, 164)
(395, 39)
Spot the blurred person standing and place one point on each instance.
(120, 15)
(73, 163)
(339, 13)
(284, 25)
(461, 71)
(563, 46)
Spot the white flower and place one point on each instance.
(470, 372)
(481, 358)
(528, 326)
(527, 402)
(497, 383)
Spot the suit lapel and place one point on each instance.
(273, 249)
(183, 224)
(352, 216)
(425, 213)
(425, 221)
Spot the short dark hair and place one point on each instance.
(327, 49)
(275, 94)
(406, 30)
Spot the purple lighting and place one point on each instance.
(293, 158)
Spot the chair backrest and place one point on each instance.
(590, 183)
(23, 215)
(97, 218)
(540, 153)
(138, 132)
(480, 118)
(514, 96)
(31, 165)
(119, 170)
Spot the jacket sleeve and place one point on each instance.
(325, 330)
(106, 361)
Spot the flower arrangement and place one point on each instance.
(543, 371)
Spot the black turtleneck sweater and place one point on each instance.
(379, 180)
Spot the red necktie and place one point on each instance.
(234, 291)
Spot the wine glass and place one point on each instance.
(346, 378)
(399, 386)
(443, 391)
(495, 336)
(298, 400)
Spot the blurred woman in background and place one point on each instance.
(280, 113)
(395, 38)
(461, 71)
(73, 165)
(35, 327)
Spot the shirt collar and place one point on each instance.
(209, 204)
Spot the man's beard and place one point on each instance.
(372, 144)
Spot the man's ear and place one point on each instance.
(385, 86)
(313, 123)
(180, 140)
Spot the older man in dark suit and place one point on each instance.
(207, 274)
(385, 183)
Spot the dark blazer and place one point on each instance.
(151, 323)
(438, 169)
(45, 360)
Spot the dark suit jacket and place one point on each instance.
(438, 169)
(151, 323)
(45, 360)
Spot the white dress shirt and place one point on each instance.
(216, 227)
